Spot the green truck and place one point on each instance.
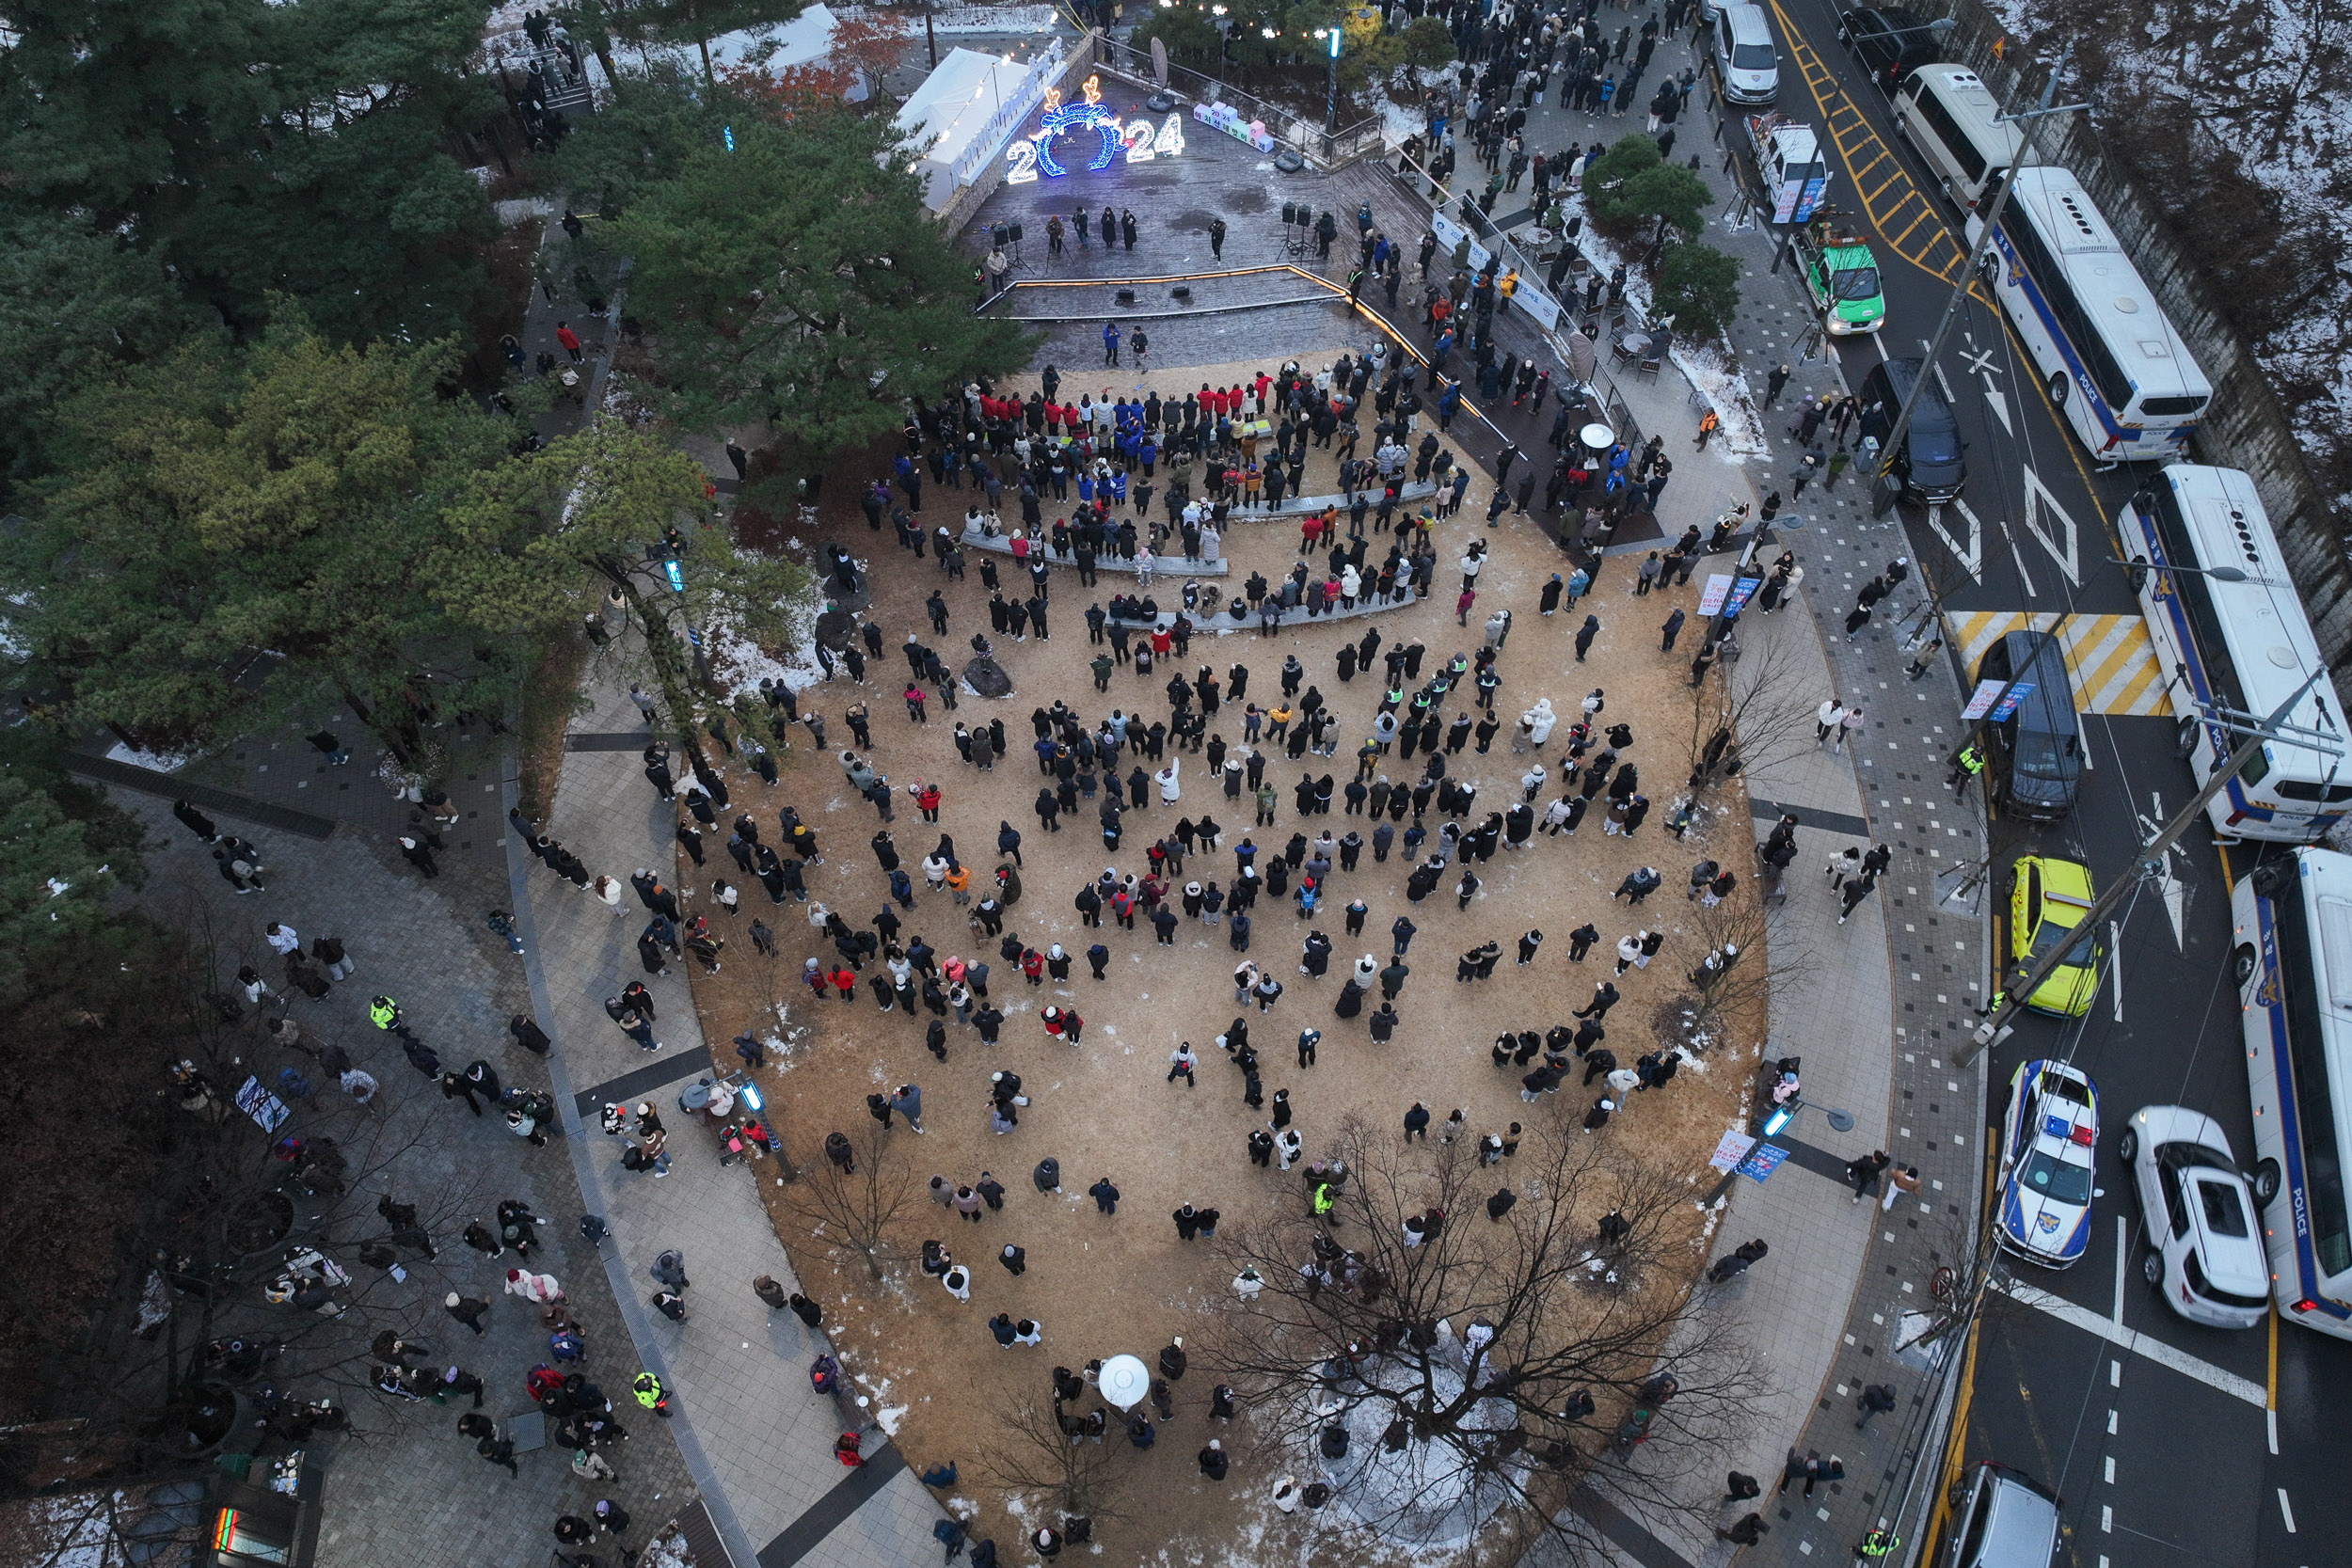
(1841, 276)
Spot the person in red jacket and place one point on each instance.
(1033, 966)
(927, 800)
(570, 340)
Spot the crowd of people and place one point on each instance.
(1415, 791)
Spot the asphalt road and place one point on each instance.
(2153, 1430)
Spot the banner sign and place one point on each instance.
(1762, 1161)
(1732, 1149)
(2007, 704)
(1981, 701)
(268, 1111)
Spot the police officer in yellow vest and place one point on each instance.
(385, 1014)
(1966, 766)
(650, 1394)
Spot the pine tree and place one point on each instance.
(232, 526)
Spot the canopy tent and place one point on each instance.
(954, 113)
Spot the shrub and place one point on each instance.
(1698, 286)
(1631, 185)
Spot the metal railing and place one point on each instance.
(1297, 131)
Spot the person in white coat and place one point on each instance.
(1170, 791)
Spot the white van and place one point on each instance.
(1745, 61)
(1947, 113)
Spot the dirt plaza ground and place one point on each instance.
(1099, 1284)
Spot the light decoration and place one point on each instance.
(1034, 154)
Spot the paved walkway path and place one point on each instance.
(413, 1491)
(756, 1438)
(1828, 1307)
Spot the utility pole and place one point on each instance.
(1884, 490)
(2149, 864)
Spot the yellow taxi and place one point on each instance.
(2047, 901)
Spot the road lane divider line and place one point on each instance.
(2145, 1346)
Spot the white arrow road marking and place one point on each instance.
(2174, 889)
(1999, 406)
(2115, 963)
(2038, 496)
(1971, 559)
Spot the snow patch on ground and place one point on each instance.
(739, 664)
(158, 762)
(667, 1551)
(962, 19)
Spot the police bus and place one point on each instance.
(2236, 649)
(2118, 372)
(2293, 962)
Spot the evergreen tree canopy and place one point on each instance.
(535, 542)
(798, 279)
(230, 525)
(252, 149)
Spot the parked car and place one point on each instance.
(2037, 760)
(1930, 463)
(1890, 41)
(2008, 1520)
(2047, 1143)
(2204, 1252)
(1746, 63)
(2047, 901)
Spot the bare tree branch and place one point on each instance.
(1459, 1368)
(857, 1209)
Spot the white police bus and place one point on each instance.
(2120, 375)
(2293, 962)
(2239, 648)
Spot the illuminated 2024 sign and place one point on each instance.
(1142, 144)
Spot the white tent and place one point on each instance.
(957, 108)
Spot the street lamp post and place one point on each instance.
(1331, 86)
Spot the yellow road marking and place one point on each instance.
(2109, 659)
(1861, 149)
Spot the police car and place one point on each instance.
(2046, 1148)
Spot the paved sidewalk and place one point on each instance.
(756, 1438)
(407, 1489)
(1832, 1007)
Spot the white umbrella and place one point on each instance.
(1124, 1381)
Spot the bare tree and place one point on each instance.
(1753, 715)
(857, 1209)
(1075, 1475)
(1459, 1367)
(1750, 950)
